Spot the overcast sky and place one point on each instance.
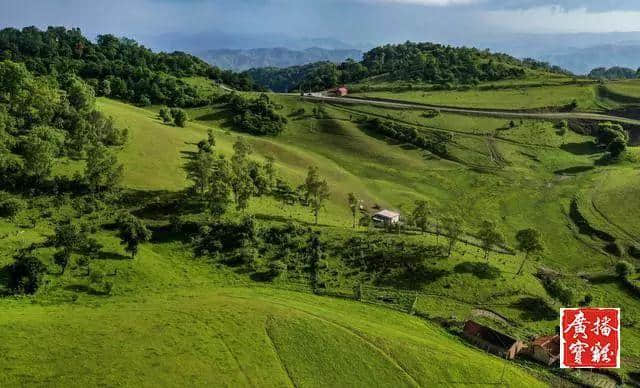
(371, 21)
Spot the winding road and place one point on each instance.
(482, 112)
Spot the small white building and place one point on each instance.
(386, 217)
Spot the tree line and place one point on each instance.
(115, 67)
(412, 62)
(42, 120)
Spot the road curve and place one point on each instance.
(481, 112)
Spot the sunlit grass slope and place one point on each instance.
(234, 337)
(516, 98)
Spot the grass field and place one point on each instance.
(516, 98)
(235, 337)
(173, 320)
(627, 88)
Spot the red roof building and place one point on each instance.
(342, 91)
(546, 349)
(492, 340)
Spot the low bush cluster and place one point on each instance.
(434, 142)
(256, 116)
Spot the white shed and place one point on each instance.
(386, 217)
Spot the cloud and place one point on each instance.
(436, 3)
(553, 19)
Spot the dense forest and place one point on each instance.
(114, 67)
(411, 62)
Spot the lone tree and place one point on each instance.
(217, 195)
(420, 215)
(68, 238)
(490, 237)
(241, 182)
(528, 242)
(314, 253)
(316, 191)
(199, 171)
(354, 203)
(453, 228)
(132, 232)
(102, 170)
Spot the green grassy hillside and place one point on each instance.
(514, 98)
(235, 337)
(175, 320)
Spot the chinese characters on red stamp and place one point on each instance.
(590, 338)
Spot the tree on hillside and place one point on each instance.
(180, 117)
(270, 171)
(284, 193)
(354, 206)
(314, 253)
(453, 229)
(68, 237)
(617, 147)
(208, 144)
(199, 170)
(420, 215)
(102, 170)
(218, 193)
(614, 137)
(39, 156)
(132, 231)
(316, 191)
(489, 237)
(241, 183)
(26, 273)
(529, 241)
(624, 269)
(165, 115)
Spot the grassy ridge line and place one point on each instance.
(392, 103)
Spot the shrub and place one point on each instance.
(179, 117)
(277, 267)
(624, 269)
(10, 206)
(256, 116)
(26, 274)
(556, 288)
(614, 249)
(634, 251)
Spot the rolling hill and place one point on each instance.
(280, 300)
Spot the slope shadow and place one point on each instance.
(574, 170)
(535, 309)
(479, 270)
(585, 148)
(112, 256)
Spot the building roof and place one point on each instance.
(387, 214)
(550, 343)
(488, 334)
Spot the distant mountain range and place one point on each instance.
(583, 60)
(577, 52)
(240, 60)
